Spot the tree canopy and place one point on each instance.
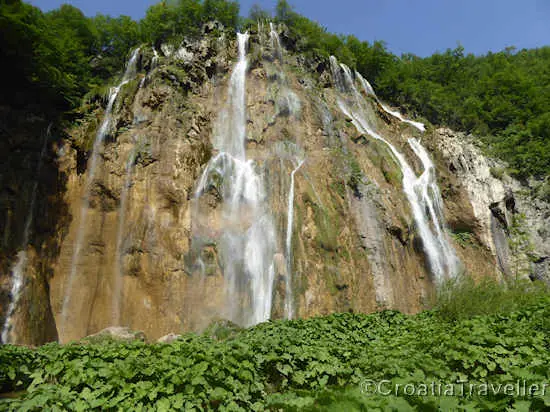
(52, 59)
(504, 97)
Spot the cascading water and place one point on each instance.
(289, 299)
(288, 103)
(275, 42)
(18, 271)
(422, 192)
(247, 241)
(155, 59)
(370, 92)
(118, 273)
(129, 74)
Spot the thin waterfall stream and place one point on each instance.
(119, 273)
(9, 334)
(289, 298)
(129, 74)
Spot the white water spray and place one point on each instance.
(247, 240)
(155, 59)
(129, 74)
(289, 298)
(370, 92)
(422, 192)
(18, 271)
(275, 42)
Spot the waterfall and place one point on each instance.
(246, 240)
(288, 103)
(289, 303)
(422, 192)
(129, 74)
(19, 268)
(119, 273)
(275, 43)
(370, 92)
(155, 59)
(260, 28)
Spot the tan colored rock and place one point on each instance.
(118, 333)
(171, 337)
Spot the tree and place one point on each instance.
(284, 11)
(226, 12)
(257, 13)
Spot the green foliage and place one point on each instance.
(463, 238)
(462, 298)
(54, 59)
(355, 178)
(115, 38)
(315, 364)
(184, 18)
(225, 11)
(503, 97)
(257, 13)
(497, 172)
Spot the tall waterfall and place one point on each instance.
(18, 271)
(289, 298)
(422, 192)
(118, 273)
(246, 237)
(129, 74)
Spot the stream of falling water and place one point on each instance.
(422, 192)
(275, 42)
(129, 74)
(247, 239)
(370, 91)
(289, 298)
(119, 273)
(9, 334)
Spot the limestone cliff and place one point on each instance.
(354, 241)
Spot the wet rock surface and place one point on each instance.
(355, 245)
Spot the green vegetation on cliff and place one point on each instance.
(503, 97)
(52, 59)
(312, 364)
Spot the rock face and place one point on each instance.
(117, 333)
(513, 222)
(355, 246)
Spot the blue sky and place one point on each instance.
(416, 26)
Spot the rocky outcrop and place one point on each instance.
(120, 334)
(171, 337)
(512, 219)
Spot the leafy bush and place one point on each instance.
(314, 364)
(463, 297)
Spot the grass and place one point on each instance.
(463, 298)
